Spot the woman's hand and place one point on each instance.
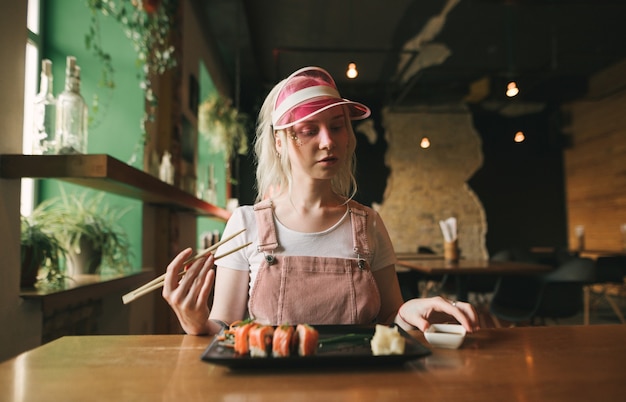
(421, 313)
(188, 296)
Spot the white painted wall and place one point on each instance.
(20, 323)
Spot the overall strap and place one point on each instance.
(265, 226)
(268, 239)
(358, 217)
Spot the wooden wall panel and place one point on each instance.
(595, 164)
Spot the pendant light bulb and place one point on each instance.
(352, 71)
(425, 143)
(519, 137)
(512, 89)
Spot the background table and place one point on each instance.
(462, 268)
(418, 256)
(577, 363)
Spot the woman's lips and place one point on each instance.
(328, 160)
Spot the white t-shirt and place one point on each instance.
(336, 241)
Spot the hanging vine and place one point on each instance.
(147, 24)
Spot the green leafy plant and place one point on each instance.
(223, 126)
(40, 250)
(85, 221)
(147, 24)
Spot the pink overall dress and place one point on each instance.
(313, 290)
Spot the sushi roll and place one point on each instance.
(283, 342)
(241, 345)
(307, 340)
(260, 340)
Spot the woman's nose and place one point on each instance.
(326, 139)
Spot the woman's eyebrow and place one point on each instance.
(339, 116)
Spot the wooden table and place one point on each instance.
(594, 254)
(418, 256)
(567, 363)
(462, 268)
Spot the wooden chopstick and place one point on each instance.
(188, 261)
(129, 297)
(212, 248)
(158, 281)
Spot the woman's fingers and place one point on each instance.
(195, 280)
(207, 287)
(188, 294)
(420, 313)
(421, 323)
(192, 285)
(464, 313)
(470, 312)
(173, 269)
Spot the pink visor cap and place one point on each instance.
(307, 92)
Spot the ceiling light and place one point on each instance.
(512, 89)
(519, 137)
(352, 72)
(425, 143)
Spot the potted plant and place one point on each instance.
(88, 228)
(40, 249)
(223, 126)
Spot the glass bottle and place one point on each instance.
(44, 110)
(71, 121)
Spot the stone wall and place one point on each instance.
(429, 185)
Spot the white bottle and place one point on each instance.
(71, 122)
(44, 110)
(166, 169)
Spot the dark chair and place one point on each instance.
(610, 269)
(562, 295)
(431, 285)
(409, 279)
(608, 283)
(553, 256)
(515, 298)
(414, 284)
(557, 294)
(482, 286)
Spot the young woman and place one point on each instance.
(317, 256)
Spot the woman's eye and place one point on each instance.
(307, 133)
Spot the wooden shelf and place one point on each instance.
(105, 173)
(84, 287)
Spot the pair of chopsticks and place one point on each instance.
(158, 282)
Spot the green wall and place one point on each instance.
(116, 127)
(206, 158)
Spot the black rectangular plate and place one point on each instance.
(331, 355)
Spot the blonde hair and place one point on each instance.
(273, 171)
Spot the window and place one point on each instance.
(31, 79)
